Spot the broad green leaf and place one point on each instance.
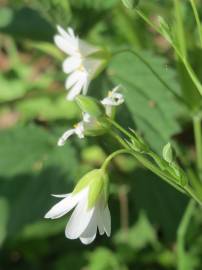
(24, 23)
(29, 197)
(140, 235)
(103, 259)
(30, 149)
(23, 149)
(163, 205)
(152, 105)
(11, 89)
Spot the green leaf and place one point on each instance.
(103, 259)
(30, 149)
(163, 205)
(47, 109)
(29, 197)
(11, 89)
(24, 23)
(23, 149)
(148, 96)
(140, 235)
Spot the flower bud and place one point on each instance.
(90, 106)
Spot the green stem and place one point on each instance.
(196, 15)
(198, 141)
(113, 155)
(148, 164)
(188, 67)
(144, 161)
(180, 28)
(181, 233)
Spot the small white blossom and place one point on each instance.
(78, 66)
(112, 100)
(79, 129)
(84, 221)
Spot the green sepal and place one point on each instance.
(97, 181)
(97, 187)
(85, 181)
(99, 127)
(90, 105)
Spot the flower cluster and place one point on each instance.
(90, 195)
(79, 65)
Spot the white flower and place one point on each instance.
(79, 129)
(84, 221)
(112, 100)
(79, 67)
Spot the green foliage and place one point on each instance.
(140, 235)
(34, 113)
(95, 4)
(152, 105)
(103, 259)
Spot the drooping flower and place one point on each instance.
(113, 99)
(77, 65)
(79, 129)
(91, 213)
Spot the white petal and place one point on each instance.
(65, 136)
(79, 130)
(100, 221)
(107, 221)
(116, 88)
(64, 45)
(71, 64)
(72, 79)
(69, 36)
(87, 117)
(77, 88)
(61, 31)
(79, 220)
(60, 195)
(88, 240)
(86, 49)
(63, 207)
(91, 65)
(71, 31)
(89, 234)
(85, 87)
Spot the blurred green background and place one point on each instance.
(146, 212)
